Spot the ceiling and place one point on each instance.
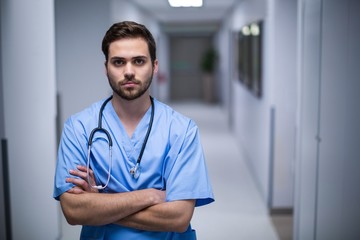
(183, 20)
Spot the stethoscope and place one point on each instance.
(134, 171)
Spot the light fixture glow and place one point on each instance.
(246, 31)
(186, 3)
(255, 29)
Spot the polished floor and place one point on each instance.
(238, 212)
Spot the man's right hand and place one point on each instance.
(80, 180)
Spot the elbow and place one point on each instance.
(71, 220)
(182, 220)
(70, 216)
(69, 211)
(181, 224)
(181, 228)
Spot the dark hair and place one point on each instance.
(128, 29)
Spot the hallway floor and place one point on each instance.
(239, 211)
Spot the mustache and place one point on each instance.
(129, 80)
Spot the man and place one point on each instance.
(147, 185)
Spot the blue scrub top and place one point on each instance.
(173, 160)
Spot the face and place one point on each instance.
(129, 68)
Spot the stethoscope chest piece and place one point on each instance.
(135, 171)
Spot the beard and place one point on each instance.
(130, 93)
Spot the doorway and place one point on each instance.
(185, 72)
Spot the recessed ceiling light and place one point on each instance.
(186, 3)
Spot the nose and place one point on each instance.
(129, 71)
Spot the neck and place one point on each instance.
(131, 112)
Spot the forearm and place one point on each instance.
(168, 217)
(100, 209)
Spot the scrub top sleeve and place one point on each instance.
(70, 154)
(189, 178)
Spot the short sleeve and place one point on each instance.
(70, 154)
(187, 177)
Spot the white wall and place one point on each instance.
(161, 84)
(328, 166)
(309, 68)
(252, 115)
(28, 74)
(269, 143)
(224, 42)
(2, 137)
(283, 80)
(80, 27)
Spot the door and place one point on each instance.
(185, 71)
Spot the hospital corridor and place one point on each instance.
(273, 86)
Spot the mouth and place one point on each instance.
(129, 83)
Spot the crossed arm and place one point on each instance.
(142, 209)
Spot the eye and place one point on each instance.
(139, 61)
(118, 62)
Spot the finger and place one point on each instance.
(82, 168)
(75, 190)
(78, 182)
(92, 176)
(78, 173)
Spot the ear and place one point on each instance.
(156, 66)
(105, 65)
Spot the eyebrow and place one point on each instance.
(136, 57)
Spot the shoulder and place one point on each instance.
(169, 116)
(174, 124)
(85, 117)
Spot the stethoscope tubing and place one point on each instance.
(134, 171)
